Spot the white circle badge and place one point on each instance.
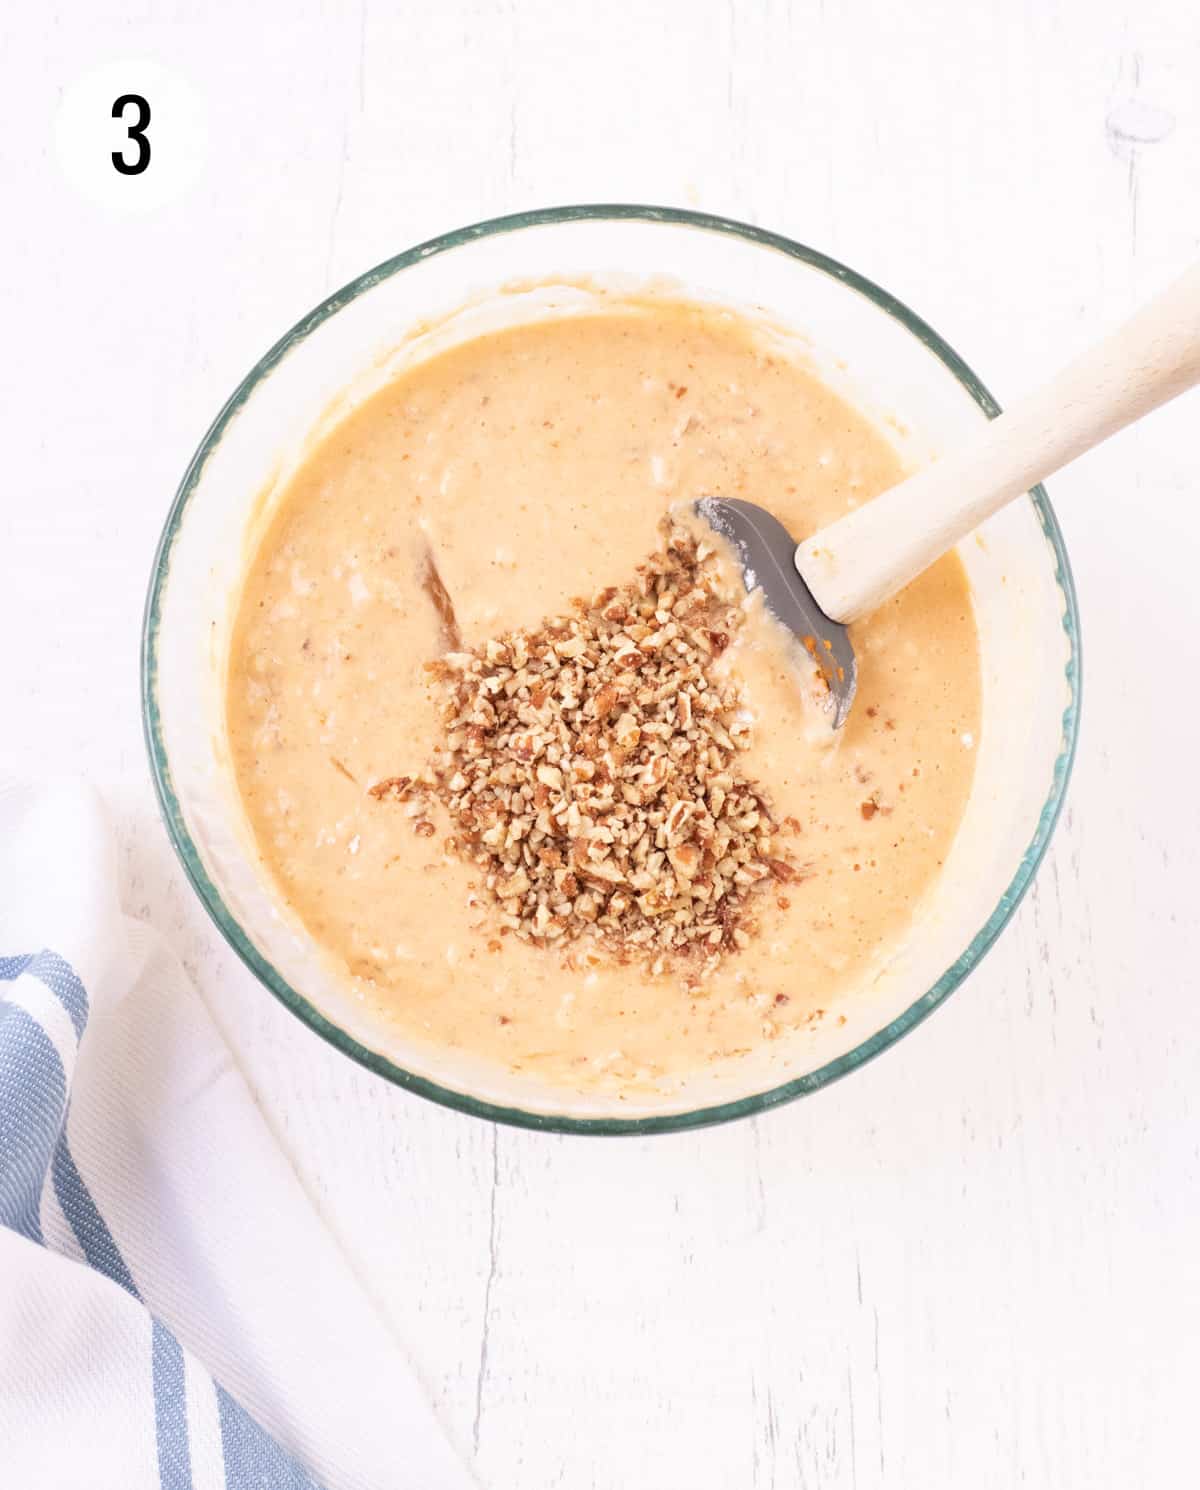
(131, 136)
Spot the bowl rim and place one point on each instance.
(231, 929)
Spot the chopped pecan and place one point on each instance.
(590, 768)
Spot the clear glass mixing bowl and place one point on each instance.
(885, 358)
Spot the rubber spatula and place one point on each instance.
(845, 571)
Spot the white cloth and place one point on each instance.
(173, 1313)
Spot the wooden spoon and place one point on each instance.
(845, 571)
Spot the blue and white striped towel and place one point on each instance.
(173, 1313)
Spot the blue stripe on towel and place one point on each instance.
(86, 1221)
(61, 979)
(170, 1410)
(33, 1099)
(253, 1460)
(166, 1356)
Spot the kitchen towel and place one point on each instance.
(173, 1312)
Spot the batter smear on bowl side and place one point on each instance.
(519, 752)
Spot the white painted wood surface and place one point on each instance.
(978, 1261)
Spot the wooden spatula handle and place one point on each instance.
(853, 565)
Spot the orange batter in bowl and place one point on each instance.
(535, 465)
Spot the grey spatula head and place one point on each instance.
(767, 553)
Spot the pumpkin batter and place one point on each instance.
(533, 465)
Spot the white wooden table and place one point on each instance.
(975, 1263)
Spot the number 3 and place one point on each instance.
(136, 132)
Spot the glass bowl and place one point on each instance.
(869, 345)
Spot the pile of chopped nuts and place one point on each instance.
(591, 770)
